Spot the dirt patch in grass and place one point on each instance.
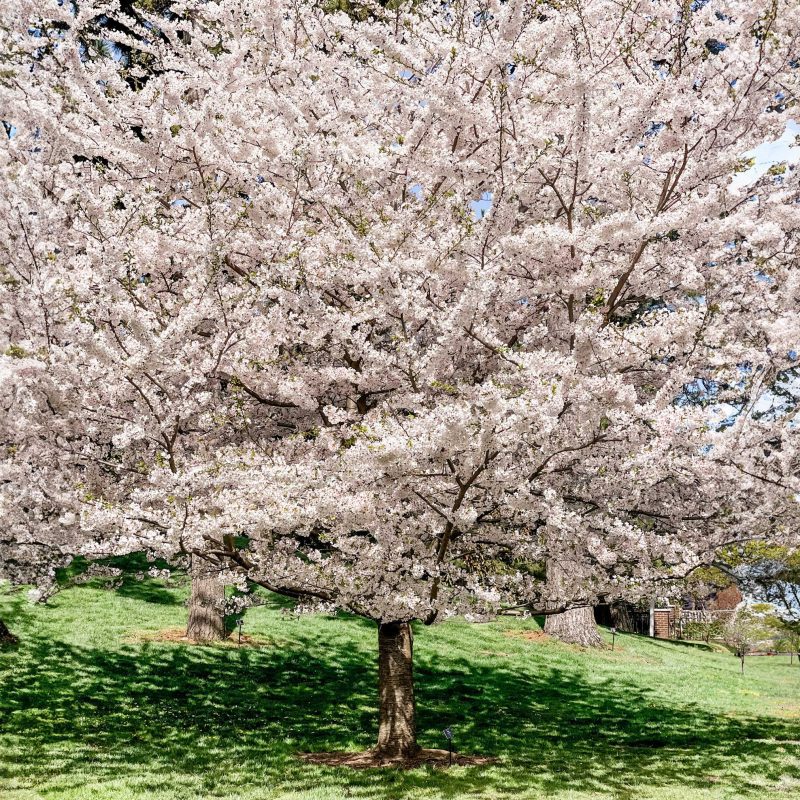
(604, 651)
(789, 711)
(529, 636)
(368, 760)
(178, 636)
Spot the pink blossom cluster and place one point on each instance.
(388, 314)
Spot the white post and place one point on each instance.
(652, 617)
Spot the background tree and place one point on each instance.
(740, 636)
(6, 637)
(787, 639)
(751, 628)
(771, 573)
(575, 625)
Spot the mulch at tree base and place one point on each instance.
(368, 759)
(178, 636)
(540, 637)
(530, 636)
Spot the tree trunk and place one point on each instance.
(206, 621)
(397, 732)
(6, 637)
(575, 626)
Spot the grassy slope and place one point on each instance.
(86, 714)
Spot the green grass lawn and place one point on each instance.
(88, 710)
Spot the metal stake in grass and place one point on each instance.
(239, 623)
(448, 734)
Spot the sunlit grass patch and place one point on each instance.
(90, 708)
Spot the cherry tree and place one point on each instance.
(401, 315)
(153, 242)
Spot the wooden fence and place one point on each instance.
(706, 616)
(667, 623)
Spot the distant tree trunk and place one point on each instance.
(6, 637)
(206, 621)
(397, 731)
(575, 626)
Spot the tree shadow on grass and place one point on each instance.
(152, 713)
(147, 590)
(133, 583)
(600, 736)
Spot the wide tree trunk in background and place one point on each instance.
(575, 626)
(6, 637)
(397, 731)
(206, 620)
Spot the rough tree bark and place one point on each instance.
(397, 732)
(6, 637)
(206, 621)
(575, 626)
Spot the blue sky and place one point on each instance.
(771, 153)
(765, 155)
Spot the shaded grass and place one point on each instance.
(87, 711)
